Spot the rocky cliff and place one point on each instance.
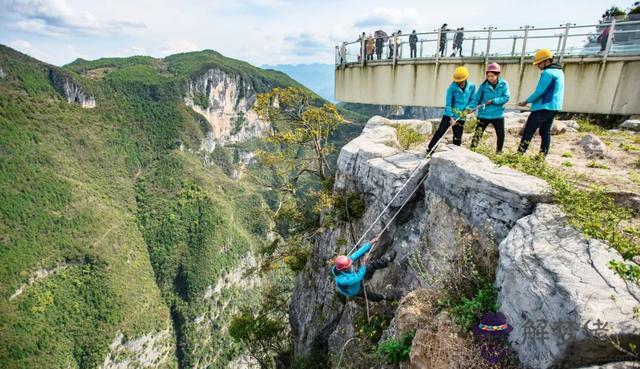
(226, 102)
(70, 89)
(468, 208)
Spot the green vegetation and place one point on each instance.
(395, 351)
(201, 100)
(591, 210)
(567, 164)
(567, 154)
(370, 330)
(142, 227)
(407, 136)
(595, 164)
(472, 292)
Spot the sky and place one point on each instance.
(257, 31)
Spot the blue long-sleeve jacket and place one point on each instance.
(348, 283)
(499, 96)
(458, 99)
(550, 90)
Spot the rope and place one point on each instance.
(343, 347)
(428, 156)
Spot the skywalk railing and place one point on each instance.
(568, 40)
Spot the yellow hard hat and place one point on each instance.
(460, 74)
(542, 55)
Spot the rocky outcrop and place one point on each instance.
(593, 146)
(487, 195)
(70, 89)
(373, 164)
(631, 125)
(555, 287)
(226, 102)
(466, 205)
(2, 74)
(148, 351)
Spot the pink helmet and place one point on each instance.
(494, 67)
(343, 262)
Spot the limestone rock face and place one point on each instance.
(148, 351)
(71, 91)
(593, 146)
(373, 164)
(486, 194)
(229, 108)
(555, 288)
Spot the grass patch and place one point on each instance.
(408, 136)
(567, 155)
(395, 351)
(567, 164)
(596, 165)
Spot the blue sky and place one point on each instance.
(258, 31)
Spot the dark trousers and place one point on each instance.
(372, 266)
(370, 56)
(414, 50)
(390, 52)
(542, 120)
(443, 45)
(603, 43)
(498, 125)
(458, 129)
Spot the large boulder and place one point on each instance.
(593, 146)
(556, 289)
(631, 125)
(372, 164)
(488, 195)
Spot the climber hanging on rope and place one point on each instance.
(349, 281)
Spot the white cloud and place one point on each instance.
(388, 17)
(178, 46)
(56, 17)
(20, 44)
(308, 43)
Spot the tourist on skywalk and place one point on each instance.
(370, 47)
(545, 102)
(459, 99)
(380, 36)
(443, 39)
(413, 41)
(604, 38)
(492, 94)
(457, 41)
(391, 45)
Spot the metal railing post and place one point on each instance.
(513, 47)
(609, 40)
(337, 55)
(438, 45)
(486, 56)
(524, 45)
(473, 45)
(421, 42)
(564, 41)
(395, 49)
(362, 50)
